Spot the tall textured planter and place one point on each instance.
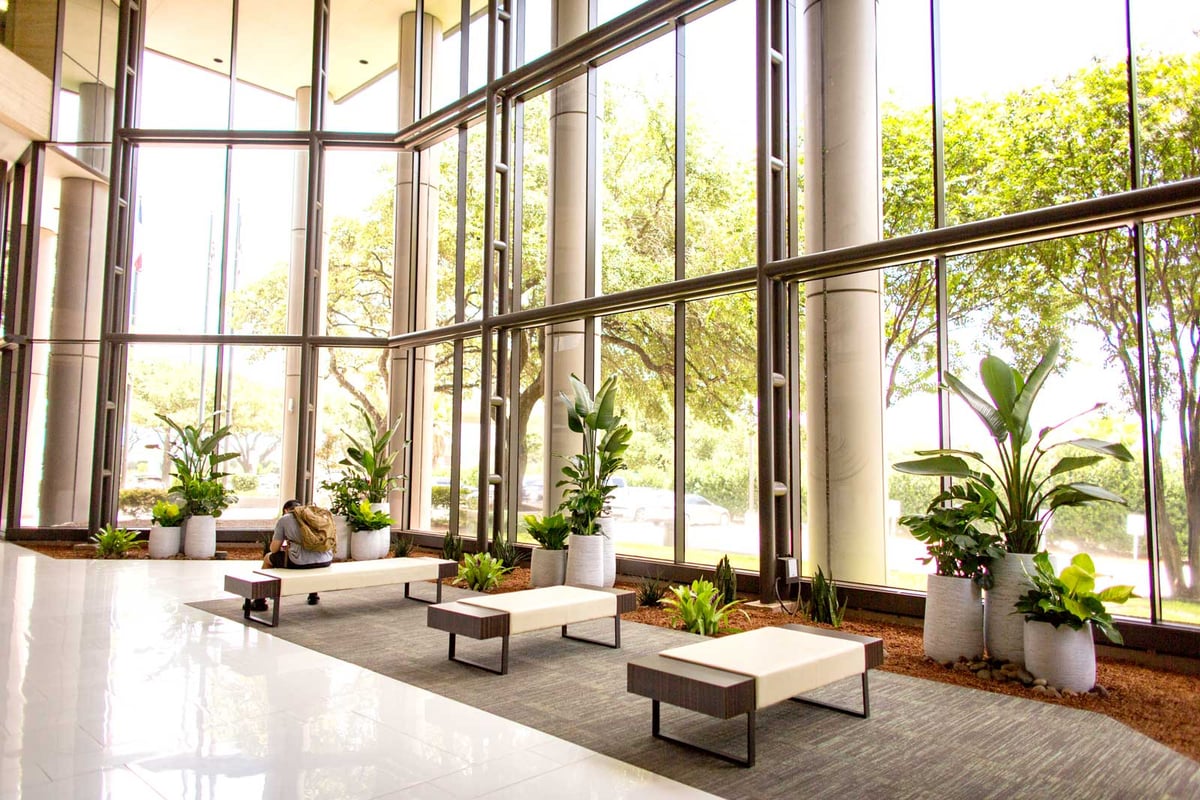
(200, 537)
(164, 542)
(1004, 631)
(341, 527)
(585, 560)
(1063, 656)
(547, 567)
(953, 618)
(610, 560)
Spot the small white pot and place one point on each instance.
(547, 567)
(370, 545)
(1003, 630)
(341, 527)
(164, 542)
(200, 537)
(585, 560)
(953, 626)
(1063, 656)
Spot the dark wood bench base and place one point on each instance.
(256, 587)
(725, 695)
(486, 623)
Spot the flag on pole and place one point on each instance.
(137, 236)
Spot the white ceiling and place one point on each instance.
(274, 38)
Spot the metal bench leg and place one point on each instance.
(272, 622)
(866, 701)
(415, 599)
(503, 658)
(748, 761)
(616, 644)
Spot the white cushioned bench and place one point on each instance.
(272, 584)
(489, 616)
(742, 673)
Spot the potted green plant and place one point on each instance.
(167, 519)
(371, 532)
(1028, 491)
(344, 494)
(548, 563)
(587, 476)
(1059, 613)
(961, 548)
(371, 460)
(196, 457)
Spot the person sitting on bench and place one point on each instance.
(287, 552)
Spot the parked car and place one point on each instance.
(532, 491)
(700, 510)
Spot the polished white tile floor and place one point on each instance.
(114, 688)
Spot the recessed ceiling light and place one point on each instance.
(362, 61)
(219, 60)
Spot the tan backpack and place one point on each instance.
(317, 532)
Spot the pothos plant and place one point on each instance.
(587, 476)
(955, 530)
(1070, 598)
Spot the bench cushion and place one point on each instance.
(354, 575)
(783, 663)
(548, 607)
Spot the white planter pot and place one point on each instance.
(547, 567)
(1063, 656)
(370, 545)
(953, 618)
(200, 537)
(610, 558)
(585, 560)
(164, 542)
(1003, 630)
(341, 526)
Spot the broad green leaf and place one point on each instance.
(1072, 463)
(1032, 386)
(1111, 449)
(1116, 594)
(1084, 562)
(1077, 580)
(938, 465)
(1000, 384)
(1076, 494)
(982, 408)
(605, 401)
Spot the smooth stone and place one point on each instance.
(985, 674)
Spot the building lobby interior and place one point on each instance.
(783, 228)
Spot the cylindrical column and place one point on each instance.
(566, 245)
(414, 293)
(293, 415)
(844, 318)
(95, 124)
(72, 369)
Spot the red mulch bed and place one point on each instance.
(1161, 703)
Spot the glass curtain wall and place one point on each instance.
(265, 268)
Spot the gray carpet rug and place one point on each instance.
(923, 740)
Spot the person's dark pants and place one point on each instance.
(279, 560)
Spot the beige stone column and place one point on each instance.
(414, 292)
(72, 368)
(95, 124)
(292, 413)
(566, 245)
(844, 317)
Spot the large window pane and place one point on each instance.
(911, 410)
(1172, 255)
(534, 199)
(638, 348)
(721, 149)
(360, 192)
(177, 240)
(637, 168)
(906, 116)
(185, 71)
(1046, 128)
(350, 379)
(1067, 289)
(722, 465)
(264, 240)
(1167, 46)
(274, 60)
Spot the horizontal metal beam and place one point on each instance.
(1141, 205)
